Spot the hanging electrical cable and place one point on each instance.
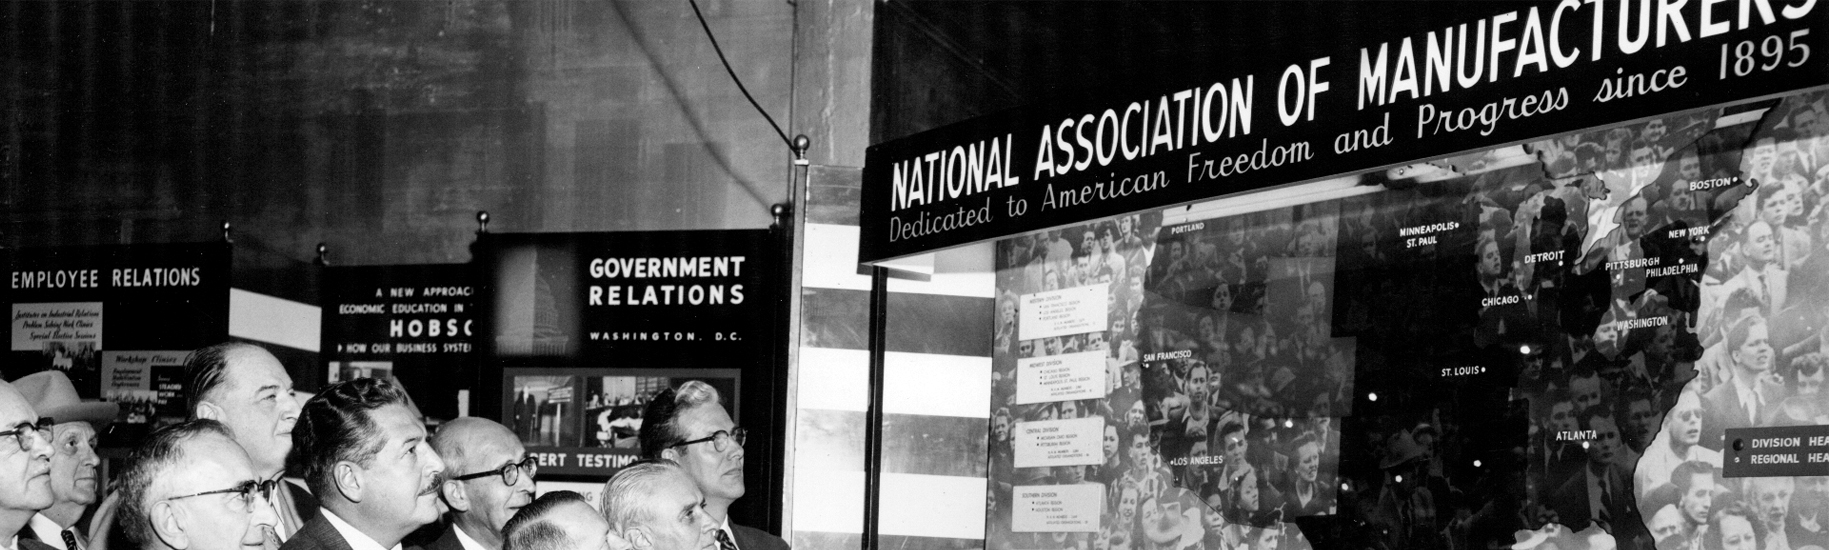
(733, 75)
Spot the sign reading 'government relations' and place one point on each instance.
(1322, 108)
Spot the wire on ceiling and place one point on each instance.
(733, 75)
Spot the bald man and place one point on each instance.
(492, 478)
(25, 467)
(560, 520)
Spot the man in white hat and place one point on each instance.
(73, 458)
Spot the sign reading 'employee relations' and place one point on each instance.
(1405, 92)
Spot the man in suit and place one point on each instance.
(560, 520)
(493, 479)
(689, 426)
(189, 486)
(25, 467)
(1750, 396)
(362, 448)
(244, 387)
(1601, 491)
(656, 505)
(73, 458)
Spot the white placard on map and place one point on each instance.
(1076, 310)
(1057, 508)
(1060, 377)
(1059, 442)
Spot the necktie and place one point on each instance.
(71, 541)
(724, 542)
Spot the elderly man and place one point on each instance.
(363, 449)
(560, 520)
(689, 426)
(189, 486)
(492, 479)
(73, 460)
(245, 388)
(25, 467)
(656, 505)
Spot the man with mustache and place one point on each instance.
(492, 478)
(689, 426)
(73, 458)
(25, 467)
(362, 448)
(656, 505)
(189, 486)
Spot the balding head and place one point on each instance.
(481, 449)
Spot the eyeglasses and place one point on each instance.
(720, 440)
(244, 493)
(510, 472)
(20, 432)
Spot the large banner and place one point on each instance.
(1423, 82)
(415, 323)
(117, 319)
(591, 325)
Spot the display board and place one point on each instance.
(587, 327)
(412, 322)
(118, 320)
(1605, 339)
(1420, 81)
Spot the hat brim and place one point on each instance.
(99, 413)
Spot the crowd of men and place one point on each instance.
(373, 478)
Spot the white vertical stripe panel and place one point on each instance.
(933, 506)
(830, 501)
(936, 385)
(831, 258)
(835, 379)
(264, 318)
(963, 271)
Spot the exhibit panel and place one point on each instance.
(1548, 345)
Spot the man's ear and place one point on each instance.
(347, 477)
(455, 495)
(166, 525)
(671, 453)
(205, 409)
(638, 537)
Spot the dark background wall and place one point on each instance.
(382, 127)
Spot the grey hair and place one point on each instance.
(625, 496)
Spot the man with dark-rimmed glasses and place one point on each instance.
(494, 480)
(190, 486)
(25, 467)
(689, 426)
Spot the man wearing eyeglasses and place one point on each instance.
(244, 387)
(688, 425)
(25, 467)
(189, 486)
(362, 447)
(494, 479)
(73, 460)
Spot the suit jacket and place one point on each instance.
(447, 539)
(1724, 410)
(750, 538)
(317, 534)
(1571, 504)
